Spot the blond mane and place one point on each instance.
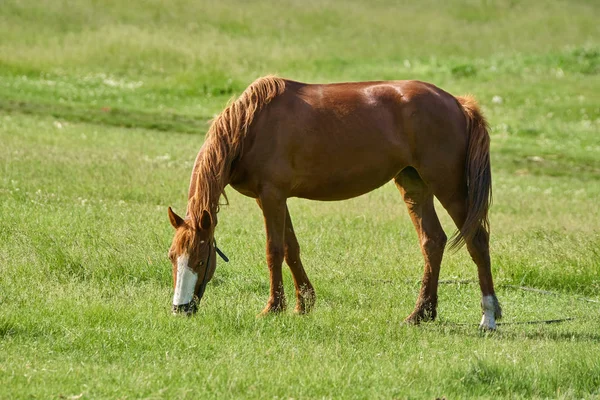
(223, 145)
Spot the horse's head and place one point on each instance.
(192, 254)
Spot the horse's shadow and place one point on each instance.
(514, 333)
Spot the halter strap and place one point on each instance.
(220, 253)
(204, 280)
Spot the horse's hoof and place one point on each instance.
(271, 310)
(488, 323)
(413, 319)
(425, 314)
(301, 310)
(491, 311)
(304, 306)
(487, 328)
(411, 322)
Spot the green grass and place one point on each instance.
(102, 110)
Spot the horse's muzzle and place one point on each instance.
(188, 309)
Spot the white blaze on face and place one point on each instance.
(186, 282)
(488, 321)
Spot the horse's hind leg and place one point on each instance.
(478, 246)
(419, 201)
(305, 293)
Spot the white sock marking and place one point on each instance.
(488, 321)
(186, 282)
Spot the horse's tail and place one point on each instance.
(478, 173)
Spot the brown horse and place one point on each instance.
(284, 139)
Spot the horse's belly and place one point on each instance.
(340, 184)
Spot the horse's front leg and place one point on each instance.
(274, 211)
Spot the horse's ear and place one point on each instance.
(175, 219)
(205, 220)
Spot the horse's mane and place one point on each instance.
(223, 145)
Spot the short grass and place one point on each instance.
(98, 100)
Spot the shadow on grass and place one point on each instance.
(517, 332)
(10, 328)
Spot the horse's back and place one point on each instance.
(410, 120)
(386, 110)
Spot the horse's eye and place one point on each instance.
(201, 263)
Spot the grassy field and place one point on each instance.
(103, 107)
